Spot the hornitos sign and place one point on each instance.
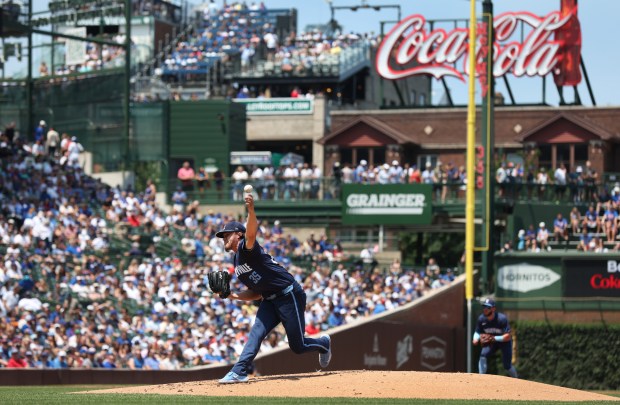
(525, 277)
(277, 106)
(387, 204)
(552, 44)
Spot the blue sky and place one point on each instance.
(599, 27)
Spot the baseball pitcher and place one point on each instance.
(283, 299)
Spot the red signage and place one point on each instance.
(409, 49)
(597, 277)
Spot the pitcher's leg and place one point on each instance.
(266, 320)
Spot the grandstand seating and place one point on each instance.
(74, 302)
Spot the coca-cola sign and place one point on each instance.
(591, 277)
(439, 52)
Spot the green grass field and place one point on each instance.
(64, 395)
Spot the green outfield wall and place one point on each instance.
(558, 280)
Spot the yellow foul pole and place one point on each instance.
(471, 183)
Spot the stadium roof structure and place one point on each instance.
(382, 128)
(580, 122)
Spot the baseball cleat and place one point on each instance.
(325, 358)
(233, 378)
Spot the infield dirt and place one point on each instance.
(376, 384)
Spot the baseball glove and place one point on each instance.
(219, 283)
(487, 339)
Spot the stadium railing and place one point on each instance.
(228, 191)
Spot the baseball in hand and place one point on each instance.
(248, 189)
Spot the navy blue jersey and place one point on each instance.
(496, 326)
(259, 271)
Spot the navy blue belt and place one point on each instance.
(280, 293)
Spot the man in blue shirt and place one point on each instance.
(560, 228)
(496, 325)
(283, 299)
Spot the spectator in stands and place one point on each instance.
(530, 237)
(179, 199)
(202, 180)
(542, 237)
(239, 178)
(17, 359)
(590, 180)
(150, 192)
(40, 132)
(521, 240)
(244, 92)
(291, 178)
(560, 182)
(500, 177)
(560, 228)
(73, 152)
(247, 53)
(542, 179)
(186, 176)
(43, 70)
(61, 360)
(575, 183)
(218, 179)
(575, 220)
(584, 244)
(597, 245)
(591, 222)
(610, 221)
(427, 174)
(52, 141)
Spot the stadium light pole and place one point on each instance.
(471, 184)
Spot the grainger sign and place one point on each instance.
(389, 204)
(545, 49)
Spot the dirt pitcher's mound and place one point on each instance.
(376, 384)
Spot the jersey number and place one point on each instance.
(255, 277)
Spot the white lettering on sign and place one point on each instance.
(524, 277)
(437, 52)
(386, 203)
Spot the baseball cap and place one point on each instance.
(542, 225)
(232, 226)
(489, 302)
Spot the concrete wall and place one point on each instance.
(293, 127)
(124, 179)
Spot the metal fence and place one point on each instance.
(227, 191)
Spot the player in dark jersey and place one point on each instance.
(283, 299)
(496, 324)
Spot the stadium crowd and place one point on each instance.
(593, 226)
(95, 276)
(249, 31)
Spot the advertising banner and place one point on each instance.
(592, 278)
(525, 277)
(250, 158)
(379, 345)
(386, 204)
(524, 45)
(277, 106)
